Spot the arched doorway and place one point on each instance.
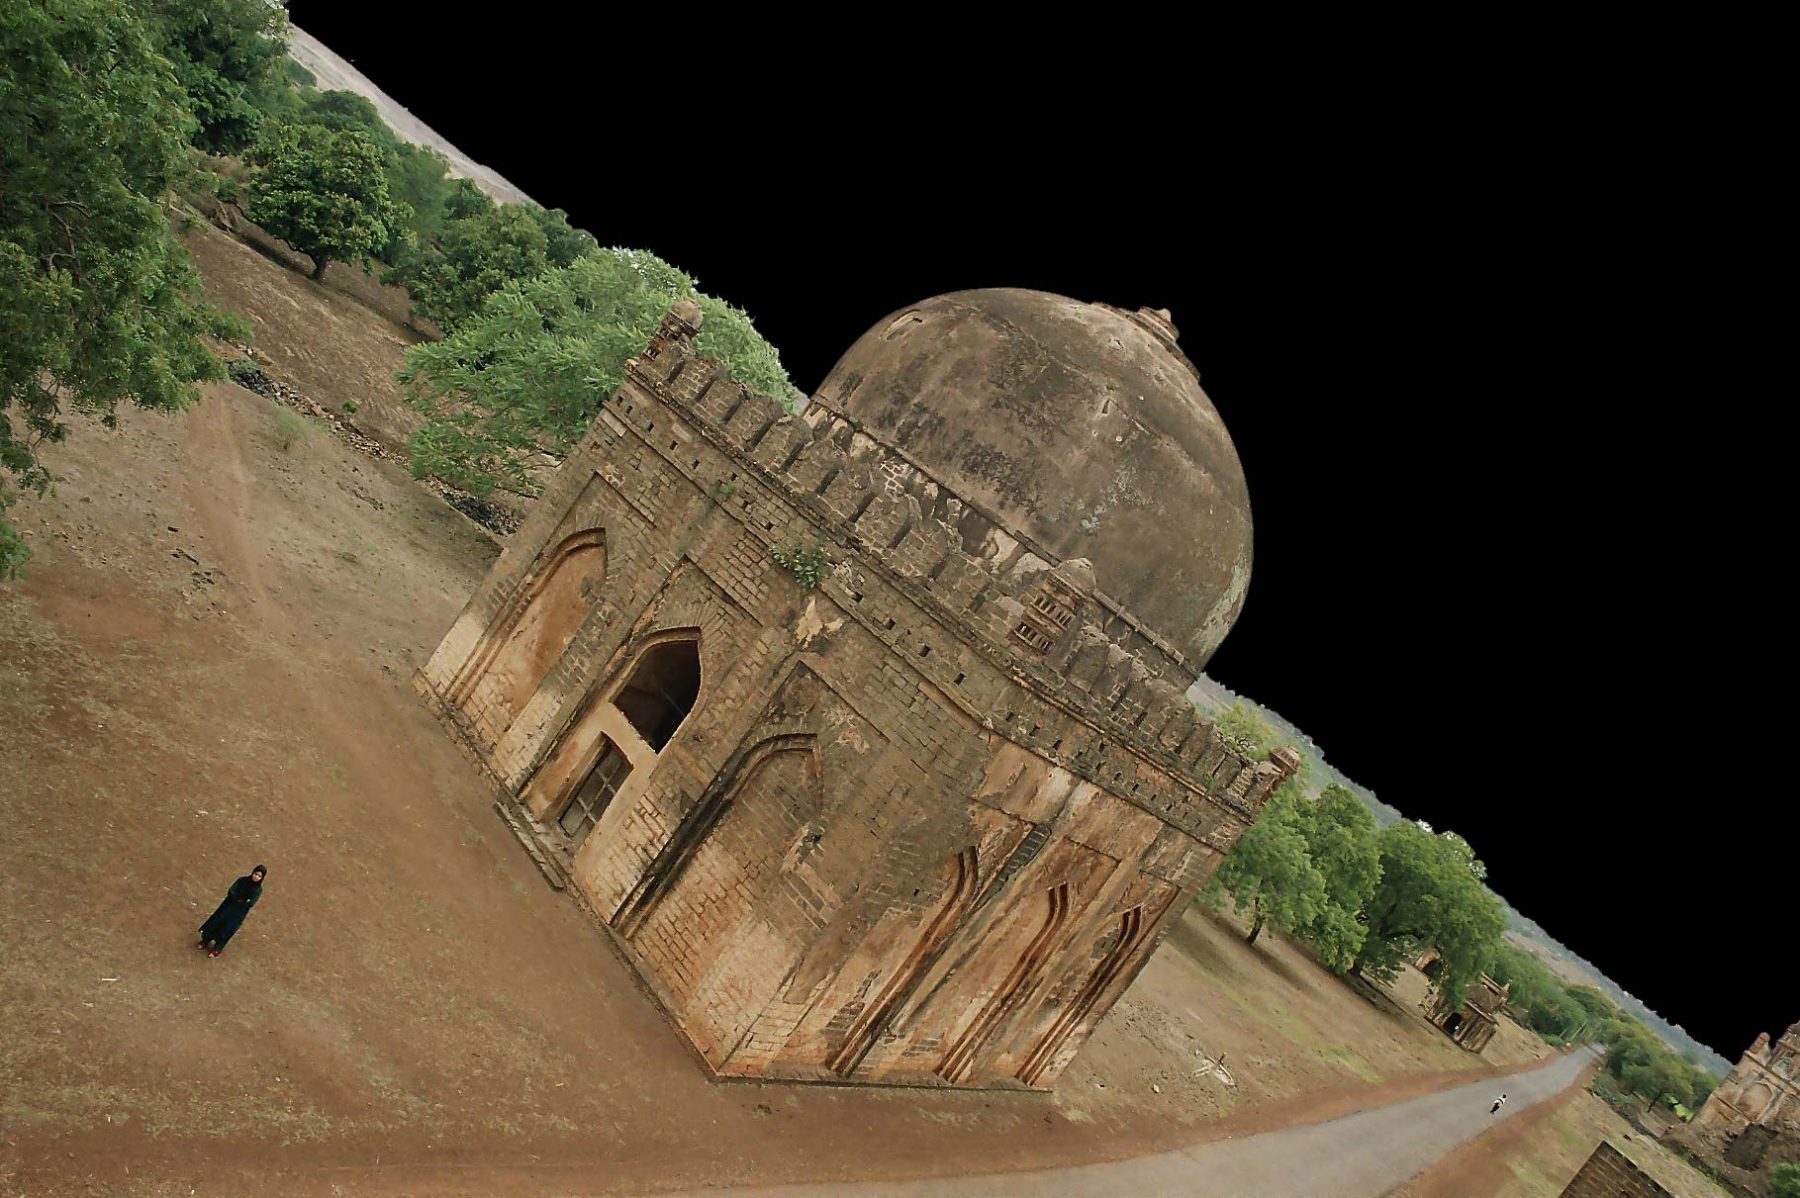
(609, 747)
(1453, 1024)
(959, 1059)
(1125, 935)
(957, 877)
(529, 635)
(797, 753)
(661, 690)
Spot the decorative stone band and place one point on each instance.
(1042, 621)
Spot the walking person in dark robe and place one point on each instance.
(218, 930)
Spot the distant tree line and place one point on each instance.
(1640, 1066)
(1367, 900)
(1305, 868)
(538, 318)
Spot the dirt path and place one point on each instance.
(1366, 1155)
(1481, 1166)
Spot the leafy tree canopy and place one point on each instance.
(418, 176)
(449, 278)
(342, 112)
(323, 191)
(1644, 1065)
(516, 384)
(473, 254)
(228, 57)
(98, 304)
(1270, 872)
(1430, 894)
(1241, 723)
(465, 200)
(419, 179)
(1342, 842)
(563, 242)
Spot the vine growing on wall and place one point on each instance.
(806, 565)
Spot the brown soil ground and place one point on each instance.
(339, 342)
(208, 666)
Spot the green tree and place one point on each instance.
(343, 112)
(98, 304)
(324, 192)
(517, 384)
(1270, 873)
(1647, 1067)
(1700, 1085)
(419, 178)
(1598, 1010)
(297, 75)
(1429, 894)
(450, 271)
(466, 199)
(449, 278)
(563, 242)
(1543, 1000)
(1243, 723)
(728, 334)
(228, 57)
(1342, 843)
(1784, 1181)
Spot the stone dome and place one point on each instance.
(1081, 427)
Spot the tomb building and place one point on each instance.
(862, 730)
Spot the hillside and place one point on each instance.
(333, 73)
(1209, 695)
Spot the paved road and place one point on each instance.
(1365, 1155)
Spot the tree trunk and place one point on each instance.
(319, 265)
(1255, 930)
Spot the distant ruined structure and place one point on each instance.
(1472, 1023)
(863, 730)
(1609, 1173)
(1752, 1120)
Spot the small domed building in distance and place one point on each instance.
(863, 730)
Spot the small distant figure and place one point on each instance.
(1498, 1103)
(217, 931)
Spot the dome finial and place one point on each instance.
(1159, 321)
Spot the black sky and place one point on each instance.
(1512, 488)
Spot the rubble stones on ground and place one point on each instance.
(253, 375)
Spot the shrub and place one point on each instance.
(290, 430)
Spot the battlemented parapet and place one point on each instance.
(867, 783)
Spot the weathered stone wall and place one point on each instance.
(1608, 1174)
(896, 839)
(1762, 1089)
